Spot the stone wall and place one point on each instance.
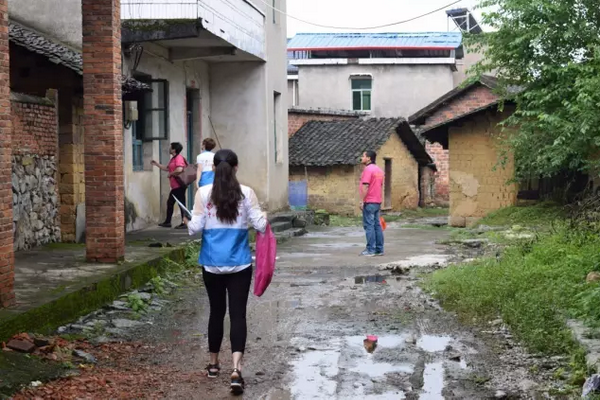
(478, 185)
(34, 171)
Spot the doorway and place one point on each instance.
(387, 187)
(194, 135)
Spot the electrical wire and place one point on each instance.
(349, 28)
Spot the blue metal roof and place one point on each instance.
(365, 41)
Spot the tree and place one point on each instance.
(551, 50)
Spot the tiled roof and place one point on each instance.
(56, 52)
(60, 54)
(327, 143)
(374, 41)
(327, 111)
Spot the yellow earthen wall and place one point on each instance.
(405, 173)
(334, 189)
(478, 184)
(72, 174)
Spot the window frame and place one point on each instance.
(362, 92)
(147, 135)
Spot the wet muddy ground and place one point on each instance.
(307, 333)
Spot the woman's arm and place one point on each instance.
(177, 172)
(160, 166)
(257, 218)
(196, 225)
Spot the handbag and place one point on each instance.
(266, 251)
(188, 175)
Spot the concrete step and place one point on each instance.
(282, 217)
(277, 227)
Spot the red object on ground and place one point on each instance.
(266, 252)
(372, 338)
(383, 223)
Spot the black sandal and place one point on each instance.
(237, 384)
(213, 370)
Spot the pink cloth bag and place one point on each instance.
(266, 250)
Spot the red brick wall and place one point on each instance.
(104, 180)
(442, 176)
(34, 129)
(7, 256)
(297, 120)
(472, 99)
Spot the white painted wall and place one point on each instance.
(398, 90)
(239, 22)
(60, 19)
(148, 190)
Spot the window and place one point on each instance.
(138, 148)
(361, 94)
(154, 112)
(276, 106)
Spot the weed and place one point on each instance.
(158, 285)
(135, 302)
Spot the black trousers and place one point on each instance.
(220, 289)
(180, 194)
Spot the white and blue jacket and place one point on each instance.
(225, 247)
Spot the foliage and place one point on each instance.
(345, 221)
(551, 49)
(135, 302)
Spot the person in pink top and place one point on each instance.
(371, 188)
(174, 168)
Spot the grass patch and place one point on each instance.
(539, 215)
(344, 221)
(535, 287)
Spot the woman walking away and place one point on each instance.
(222, 212)
(178, 189)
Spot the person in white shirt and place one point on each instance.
(205, 161)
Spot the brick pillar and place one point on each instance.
(104, 203)
(7, 255)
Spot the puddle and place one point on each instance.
(433, 382)
(371, 279)
(389, 342)
(315, 375)
(373, 369)
(433, 344)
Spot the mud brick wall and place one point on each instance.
(34, 171)
(333, 189)
(476, 186)
(405, 173)
(427, 187)
(297, 119)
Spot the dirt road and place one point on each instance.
(306, 334)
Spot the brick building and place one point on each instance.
(465, 121)
(297, 117)
(191, 73)
(325, 158)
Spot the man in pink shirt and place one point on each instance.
(371, 188)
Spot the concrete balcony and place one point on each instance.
(230, 30)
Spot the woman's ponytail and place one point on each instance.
(226, 191)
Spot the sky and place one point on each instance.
(363, 13)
